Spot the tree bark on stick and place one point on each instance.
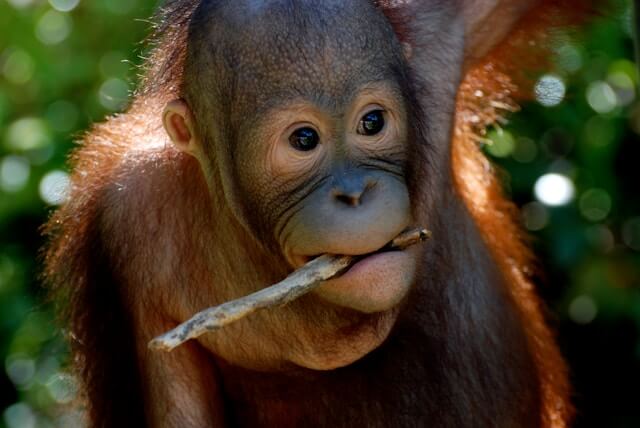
(295, 285)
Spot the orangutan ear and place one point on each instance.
(178, 121)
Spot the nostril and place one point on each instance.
(351, 189)
(354, 197)
(351, 200)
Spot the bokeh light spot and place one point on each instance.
(54, 27)
(627, 67)
(64, 5)
(554, 189)
(583, 310)
(600, 238)
(569, 58)
(114, 94)
(620, 79)
(550, 90)
(20, 369)
(535, 216)
(19, 415)
(71, 417)
(28, 133)
(14, 173)
(21, 4)
(502, 143)
(631, 233)
(62, 387)
(601, 97)
(18, 67)
(595, 204)
(525, 150)
(623, 86)
(54, 187)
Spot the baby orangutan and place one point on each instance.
(266, 134)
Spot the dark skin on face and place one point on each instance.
(319, 157)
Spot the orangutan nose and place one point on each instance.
(351, 191)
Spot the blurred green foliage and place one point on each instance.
(63, 65)
(570, 159)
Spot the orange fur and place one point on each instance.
(489, 92)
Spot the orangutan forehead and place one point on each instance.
(322, 50)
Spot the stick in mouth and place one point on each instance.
(295, 285)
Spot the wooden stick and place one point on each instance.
(295, 285)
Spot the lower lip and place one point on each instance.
(374, 284)
(371, 262)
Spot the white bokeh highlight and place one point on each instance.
(550, 90)
(554, 190)
(601, 97)
(54, 187)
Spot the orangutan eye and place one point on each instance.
(304, 139)
(371, 123)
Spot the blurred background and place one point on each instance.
(570, 160)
